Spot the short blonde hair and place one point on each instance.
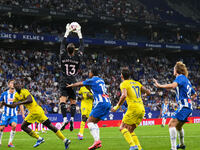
(181, 68)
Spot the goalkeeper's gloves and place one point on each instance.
(68, 30)
(78, 31)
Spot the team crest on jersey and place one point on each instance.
(10, 99)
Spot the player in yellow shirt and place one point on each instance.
(36, 113)
(131, 92)
(86, 107)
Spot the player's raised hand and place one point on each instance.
(69, 85)
(115, 108)
(156, 83)
(68, 30)
(78, 31)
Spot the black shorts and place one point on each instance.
(67, 92)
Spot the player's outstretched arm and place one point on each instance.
(67, 32)
(15, 104)
(121, 100)
(165, 86)
(79, 33)
(146, 91)
(75, 84)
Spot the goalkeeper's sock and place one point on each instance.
(72, 111)
(135, 139)
(82, 127)
(63, 109)
(60, 135)
(128, 137)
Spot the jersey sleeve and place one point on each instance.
(2, 97)
(62, 46)
(123, 86)
(88, 82)
(26, 93)
(178, 80)
(81, 48)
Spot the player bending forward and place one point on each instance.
(101, 104)
(70, 62)
(184, 91)
(9, 116)
(36, 113)
(86, 107)
(131, 92)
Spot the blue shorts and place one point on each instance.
(164, 115)
(182, 114)
(7, 120)
(101, 111)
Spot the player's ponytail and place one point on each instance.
(181, 68)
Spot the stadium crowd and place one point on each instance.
(40, 71)
(114, 8)
(15, 24)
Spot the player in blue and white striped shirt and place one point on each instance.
(184, 94)
(164, 110)
(9, 116)
(102, 104)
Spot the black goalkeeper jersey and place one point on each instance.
(70, 64)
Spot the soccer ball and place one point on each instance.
(75, 26)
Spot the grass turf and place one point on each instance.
(151, 138)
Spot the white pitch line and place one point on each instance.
(25, 139)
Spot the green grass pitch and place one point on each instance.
(151, 138)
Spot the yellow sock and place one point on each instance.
(128, 137)
(60, 135)
(36, 130)
(136, 141)
(82, 127)
(34, 134)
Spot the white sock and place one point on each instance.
(1, 135)
(72, 119)
(164, 122)
(65, 119)
(173, 136)
(97, 131)
(93, 130)
(181, 136)
(64, 140)
(40, 138)
(12, 134)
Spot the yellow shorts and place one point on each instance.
(134, 114)
(86, 109)
(36, 116)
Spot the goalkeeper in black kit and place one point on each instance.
(70, 60)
